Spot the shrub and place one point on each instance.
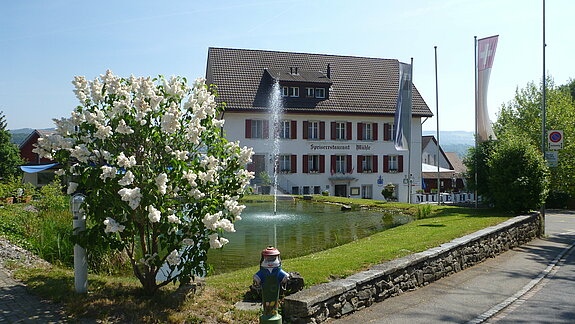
(518, 176)
(423, 211)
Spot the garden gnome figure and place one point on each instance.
(270, 278)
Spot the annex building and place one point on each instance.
(337, 122)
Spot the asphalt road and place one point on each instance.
(529, 284)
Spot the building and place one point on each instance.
(451, 168)
(37, 171)
(337, 123)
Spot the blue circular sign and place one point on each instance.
(555, 137)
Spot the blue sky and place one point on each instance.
(44, 44)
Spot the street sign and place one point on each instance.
(552, 158)
(555, 139)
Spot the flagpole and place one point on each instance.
(476, 152)
(409, 177)
(543, 135)
(437, 120)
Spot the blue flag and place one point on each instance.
(402, 120)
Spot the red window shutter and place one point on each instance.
(360, 164)
(359, 131)
(248, 128)
(386, 163)
(333, 158)
(304, 164)
(322, 164)
(321, 130)
(293, 129)
(348, 131)
(374, 126)
(332, 130)
(386, 132)
(348, 164)
(374, 163)
(293, 163)
(266, 131)
(305, 129)
(400, 163)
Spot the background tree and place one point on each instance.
(482, 154)
(521, 117)
(518, 181)
(9, 153)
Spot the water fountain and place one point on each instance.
(276, 110)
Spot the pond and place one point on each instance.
(298, 228)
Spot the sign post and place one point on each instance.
(555, 139)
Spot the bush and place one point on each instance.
(557, 199)
(52, 198)
(423, 211)
(518, 176)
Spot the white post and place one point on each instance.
(80, 261)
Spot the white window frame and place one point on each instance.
(285, 129)
(340, 128)
(367, 191)
(310, 92)
(257, 128)
(340, 164)
(285, 91)
(313, 163)
(294, 92)
(313, 130)
(367, 131)
(320, 93)
(392, 132)
(285, 163)
(367, 163)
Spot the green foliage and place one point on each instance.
(387, 192)
(481, 155)
(522, 117)
(52, 198)
(423, 211)
(517, 176)
(9, 153)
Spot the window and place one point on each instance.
(367, 191)
(310, 92)
(367, 131)
(306, 190)
(389, 132)
(295, 190)
(320, 92)
(285, 163)
(367, 164)
(285, 129)
(294, 92)
(313, 130)
(393, 163)
(340, 166)
(257, 128)
(316, 190)
(313, 163)
(340, 131)
(285, 91)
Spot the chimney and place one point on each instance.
(328, 71)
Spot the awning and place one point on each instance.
(433, 168)
(37, 168)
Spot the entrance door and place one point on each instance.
(340, 190)
(258, 164)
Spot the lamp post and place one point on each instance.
(80, 260)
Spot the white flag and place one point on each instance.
(402, 120)
(485, 55)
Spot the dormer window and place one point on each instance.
(310, 92)
(285, 91)
(320, 93)
(294, 92)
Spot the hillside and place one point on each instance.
(454, 141)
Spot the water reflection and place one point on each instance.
(300, 228)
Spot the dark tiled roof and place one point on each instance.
(299, 75)
(456, 162)
(359, 84)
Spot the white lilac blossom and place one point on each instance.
(60, 172)
(174, 219)
(188, 241)
(161, 182)
(216, 242)
(181, 155)
(132, 196)
(103, 131)
(226, 225)
(126, 162)
(191, 177)
(208, 176)
(197, 194)
(122, 128)
(154, 215)
(112, 226)
(211, 220)
(108, 172)
(218, 123)
(72, 186)
(234, 208)
(81, 153)
(173, 258)
(127, 179)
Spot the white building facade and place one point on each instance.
(336, 129)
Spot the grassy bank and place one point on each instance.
(118, 299)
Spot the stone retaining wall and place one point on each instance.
(337, 298)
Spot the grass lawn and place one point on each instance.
(118, 299)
